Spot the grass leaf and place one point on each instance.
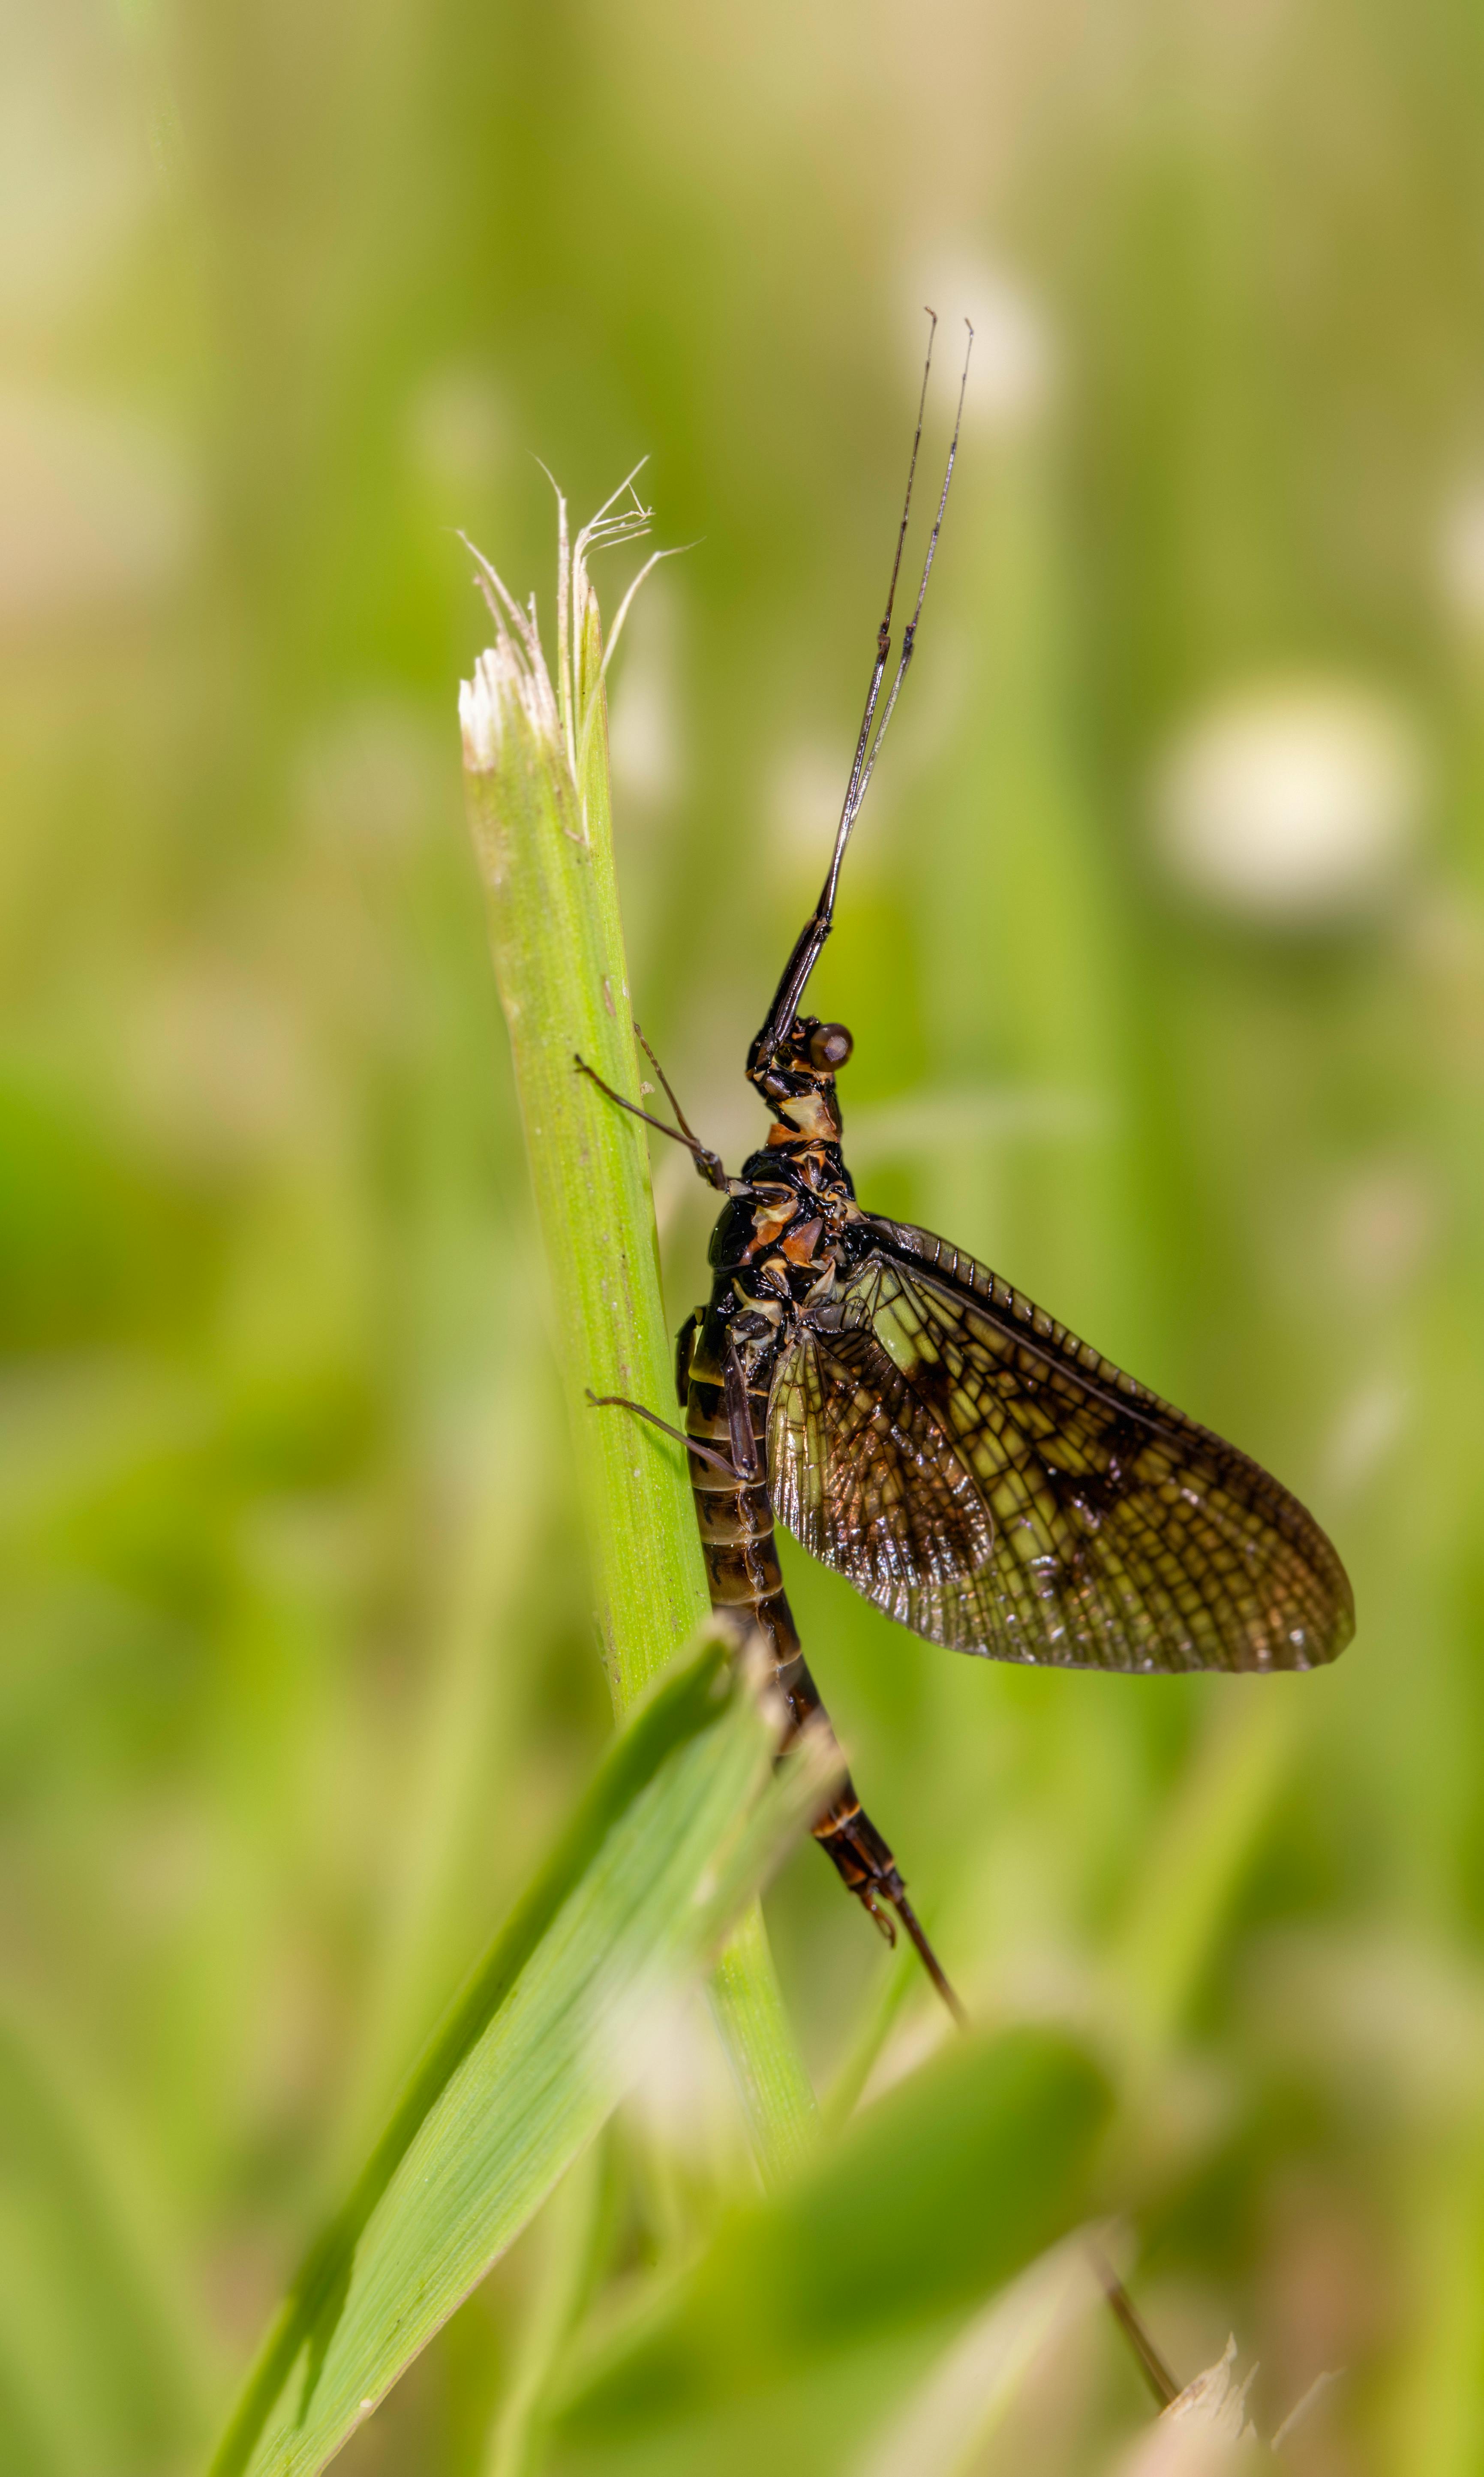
(684, 1819)
(537, 776)
(929, 2200)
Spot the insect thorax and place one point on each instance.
(783, 1240)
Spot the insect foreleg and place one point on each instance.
(709, 1166)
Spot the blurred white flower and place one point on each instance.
(1296, 802)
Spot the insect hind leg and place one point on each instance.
(624, 1402)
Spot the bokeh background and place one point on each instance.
(1162, 943)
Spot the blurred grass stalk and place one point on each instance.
(537, 773)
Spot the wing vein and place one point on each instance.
(993, 1482)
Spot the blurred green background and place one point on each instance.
(1161, 941)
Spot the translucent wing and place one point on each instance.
(994, 1484)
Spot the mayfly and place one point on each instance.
(926, 1431)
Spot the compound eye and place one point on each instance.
(829, 1048)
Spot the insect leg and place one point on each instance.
(709, 1165)
(684, 1342)
(703, 1151)
(622, 1402)
(748, 1454)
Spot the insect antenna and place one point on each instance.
(910, 632)
(801, 962)
(883, 632)
(817, 928)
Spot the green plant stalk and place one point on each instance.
(536, 767)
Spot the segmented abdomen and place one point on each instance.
(735, 1518)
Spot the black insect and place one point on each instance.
(922, 1428)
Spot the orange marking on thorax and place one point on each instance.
(801, 1244)
(769, 1220)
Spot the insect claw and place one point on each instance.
(886, 1923)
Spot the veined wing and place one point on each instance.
(997, 1485)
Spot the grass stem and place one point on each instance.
(536, 759)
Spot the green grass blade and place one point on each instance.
(544, 850)
(537, 774)
(684, 1819)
